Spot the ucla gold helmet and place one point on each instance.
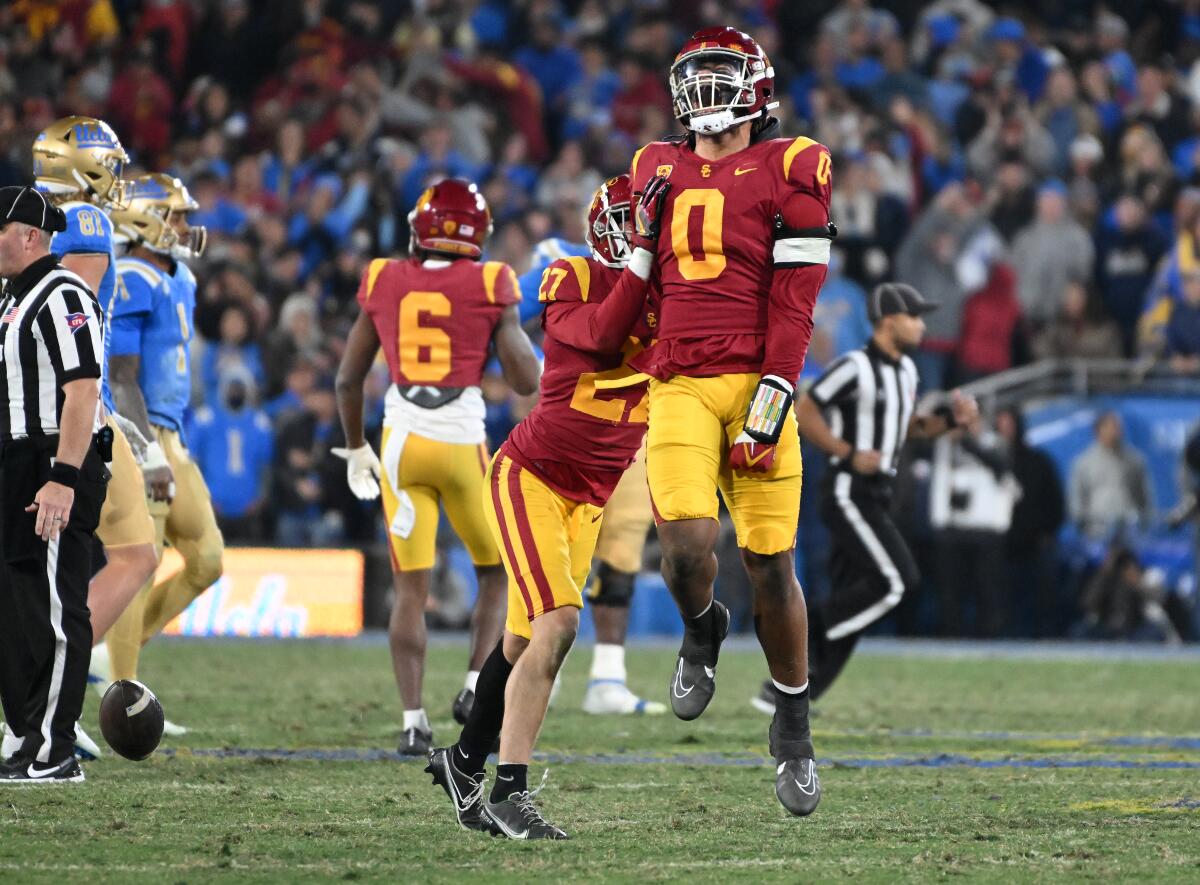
(80, 156)
(155, 216)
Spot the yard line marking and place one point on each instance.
(940, 760)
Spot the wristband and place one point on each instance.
(640, 262)
(946, 414)
(768, 409)
(64, 474)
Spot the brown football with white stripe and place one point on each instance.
(131, 719)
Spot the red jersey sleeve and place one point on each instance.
(801, 255)
(500, 284)
(596, 326)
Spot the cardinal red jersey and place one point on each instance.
(592, 407)
(435, 321)
(716, 252)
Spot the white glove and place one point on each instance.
(362, 471)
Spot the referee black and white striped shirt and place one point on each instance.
(868, 398)
(50, 334)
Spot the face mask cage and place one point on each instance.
(611, 231)
(711, 82)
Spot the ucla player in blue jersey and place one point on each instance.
(627, 515)
(150, 374)
(545, 253)
(77, 164)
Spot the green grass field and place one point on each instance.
(668, 811)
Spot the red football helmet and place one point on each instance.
(608, 220)
(451, 217)
(720, 78)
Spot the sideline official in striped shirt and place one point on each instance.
(869, 396)
(52, 483)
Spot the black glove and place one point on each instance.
(647, 216)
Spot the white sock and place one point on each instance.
(608, 661)
(100, 664)
(788, 689)
(416, 719)
(472, 680)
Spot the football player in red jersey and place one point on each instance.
(748, 246)
(547, 487)
(436, 315)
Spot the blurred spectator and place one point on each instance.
(870, 221)
(140, 107)
(588, 104)
(309, 481)
(1049, 253)
(231, 441)
(1064, 116)
(1109, 485)
(1010, 199)
(1032, 540)
(1124, 601)
(328, 217)
(1081, 330)
(235, 348)
(929, 260)
(993, 335)
(554, 64)
(641, 89)
(515, 88)
(217, 211)
(1129, 246)
(1183, 329)
(1158, 105)
(1011, 132)
(971, 499)
(840, 320)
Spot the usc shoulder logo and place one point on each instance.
(664, 170)
(651, 319)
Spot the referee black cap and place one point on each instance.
(29, 206)
(893, 298)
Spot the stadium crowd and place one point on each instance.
(1035, 168)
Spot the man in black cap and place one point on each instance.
(52, 484)
(869, 398)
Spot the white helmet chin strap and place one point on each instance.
(719, 121)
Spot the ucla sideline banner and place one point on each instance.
(276, 593)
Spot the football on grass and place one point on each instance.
(131, 719)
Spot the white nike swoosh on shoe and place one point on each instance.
(677, 685)
(809, 788)
(38, 775)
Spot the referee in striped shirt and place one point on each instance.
(52, 484)
(869, 396)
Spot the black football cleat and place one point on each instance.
(517, 817)
(694, 682)
(415, 742)
(22, 771)
(462, 706)
(797, 785)
(465, 790)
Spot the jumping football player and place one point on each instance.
(437, 315)
(749, 242)
(77, 163)
(627, 515)
(547, 487)
(150, 377)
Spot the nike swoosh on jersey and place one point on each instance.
(744, 171)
